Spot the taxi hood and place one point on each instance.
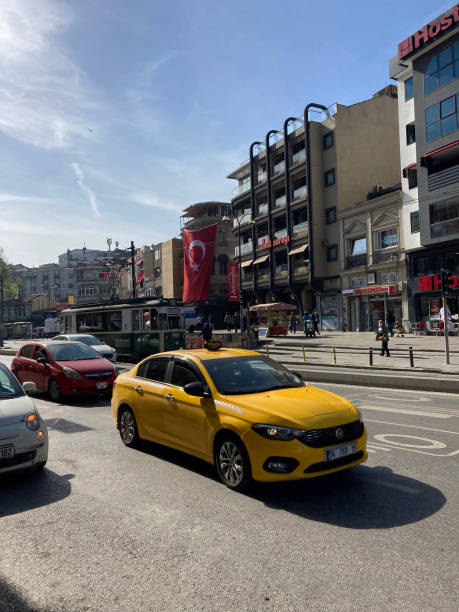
(298, 406)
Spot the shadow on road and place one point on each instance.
(26, 491)
(11, 600)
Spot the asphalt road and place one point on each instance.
(109, 528)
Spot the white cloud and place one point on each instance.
(88, 192)
(43, 98)
(15, 197)
(150, 199)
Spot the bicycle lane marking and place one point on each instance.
(385, 441)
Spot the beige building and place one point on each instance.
(165, 269)
(292, 251)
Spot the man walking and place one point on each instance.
(293, 323)
(382, 336)
(390, 323)
(236, 322)
(315, 321)
(227, 321)
(206, 331)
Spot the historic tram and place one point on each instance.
(135, 327)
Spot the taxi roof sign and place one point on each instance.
(213, 345)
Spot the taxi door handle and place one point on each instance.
(169, 396)
(138, 389)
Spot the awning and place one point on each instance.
(299, 249)
(261, 259)
(450, 145)
(272, 306)
(246, 264)
(406, 168)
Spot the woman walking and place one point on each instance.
(382, 335)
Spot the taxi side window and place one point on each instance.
(27, 351)
(182, 374)
(153, 369)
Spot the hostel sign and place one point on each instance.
(266, 242)
(428, 33)
(389, 289)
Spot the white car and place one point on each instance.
(103, 349)
(23, 434)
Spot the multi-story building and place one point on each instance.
(426, 69)
(293, 187)
(201, 215)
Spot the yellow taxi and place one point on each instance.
(239, 410)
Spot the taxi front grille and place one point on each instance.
(18, 459)
(319, 438)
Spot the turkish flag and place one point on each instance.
(198, 246)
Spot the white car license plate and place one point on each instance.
(6, 452)
(340, 451)
(101, 385)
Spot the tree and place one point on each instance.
(10, 287)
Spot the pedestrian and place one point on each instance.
(315, 321)
(244, 323)
(382, 335)
(236, 322)
(399, 329)
(442, 313)
(227, 321)
(390, 323)
(206, 331)
(293, 323)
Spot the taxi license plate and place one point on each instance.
(6, 452)
(101, 385)
(340, 451)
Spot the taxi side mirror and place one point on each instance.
(198, 389)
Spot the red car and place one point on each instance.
(64, 368)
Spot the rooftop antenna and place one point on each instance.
(109, 243)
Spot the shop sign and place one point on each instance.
(266, 242)
(433, 282)
(428, 33)
(233, 282)
(390, 289)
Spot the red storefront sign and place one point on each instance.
(266, 242)
(428, 33)
(390, 289)
(433, 282)
(233, 282)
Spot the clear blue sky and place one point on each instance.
(115, 115)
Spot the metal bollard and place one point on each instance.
(267, 351)
(371, 356)
(304, 354)
(411, 357)
(334, 355)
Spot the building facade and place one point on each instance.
(426, 69)
(291, 191)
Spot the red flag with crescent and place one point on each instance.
(198, 257)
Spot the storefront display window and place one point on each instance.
(330, 311)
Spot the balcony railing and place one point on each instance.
(282, 233)
(280, 201)
(443, 178)
(385, 255)
(353, 261)
(263, 209)
(261, 176)
(444, 228)
(301, 192)
(300, 228)
(278, 168)
(245, 248)
(243, 218)
(242, 188)
(299, 156)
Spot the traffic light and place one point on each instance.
(445, 288)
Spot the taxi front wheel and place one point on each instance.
(233, 464)
(128, 428)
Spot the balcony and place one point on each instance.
(263, 274)
(280, 202)
(242, 188)
(278, 168)
(443, 178)
(282, 233)
(245, 248)
(262, 209)
(444, 228)
(354, 261)
(261, 176)
(281, 269)
(300, 193)
(299, 156)
(300, 228)
(243, 218)
(385, 255)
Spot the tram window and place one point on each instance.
(174, 322)
(146, 320)
(163, 320)
(114, 320)
(154, 319)
(136, 320)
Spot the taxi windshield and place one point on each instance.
(250, 374)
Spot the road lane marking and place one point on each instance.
(431, 444)
(406, 399)
(433, 415)
(377, 445)
(456, 433)
(391, 485)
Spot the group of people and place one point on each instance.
(310, 320)
(232, 321)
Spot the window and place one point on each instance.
(412, 176)
(358, 246)
(329, 177)
(442, 68)
(441, 118)
(153, 369)
(388, 238)
(389, 278)
(330, 215)
(182, 374)
(332, 252)
(414, 222)
(27, 351)
(157, 254)
(410, 134)
(409, 89)
(327, 141)
(360, 281)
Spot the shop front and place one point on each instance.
(428, 300)
(367, 305)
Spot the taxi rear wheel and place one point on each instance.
(233, 464)
(128, 428)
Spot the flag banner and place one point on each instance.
(198, 257)
(233, 282)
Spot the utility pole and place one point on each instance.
(444, 295)
(134, 284)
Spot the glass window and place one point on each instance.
(328, 140)
(71, 352)
(432, 66)
(414, 221)
(329, 177)
(146, 320)
(387, 238)
(409, 89)
(136, 320)
(447, 106)
(153, 369)
(412, 175)
(432, 114)
(182, 374)
(441, 69)
(410, 134)
(441, 118)
(332, 253)
(27, 351)
(445, 57)
(9, 386)
(330, 215)
(358, 246)
(448, 125)
(446, 75)
(433, 131)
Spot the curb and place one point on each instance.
(5, 351)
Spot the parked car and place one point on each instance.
(104, 349)
(23, 434)
(64, 368)
(241, 411)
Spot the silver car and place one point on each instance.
(103, 349)
(23, 434)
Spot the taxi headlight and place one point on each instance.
(275, 432)
(32, 421)
(73, 374)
